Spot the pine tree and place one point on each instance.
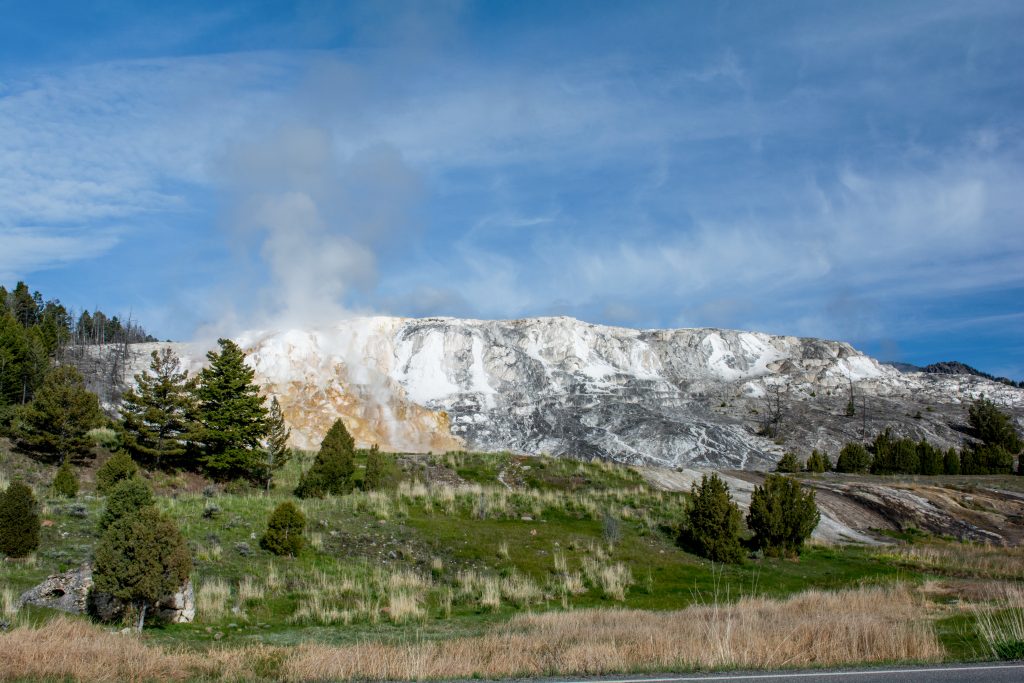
(334, 467)
(65, 483)
(818, 462)
(713, 521)
(142, 558)
(232, 419)
(381, 471)
(117, 468)
(853, 458)
(126, 498)
(284, 530)
(157, 413)
(782, 516)
(951, 462)
(19, 521)
(55, 424)
(277, 452)
(788, 463)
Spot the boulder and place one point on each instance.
(67, 592)
(72, 591)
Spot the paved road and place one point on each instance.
(1008, 672)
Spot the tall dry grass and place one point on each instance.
(961, 559)
(814, 628)
(869, 624)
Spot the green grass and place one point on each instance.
(585, 513)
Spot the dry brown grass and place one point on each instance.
(869, 624)
(66, 648)
(814, 628)
(962, 559)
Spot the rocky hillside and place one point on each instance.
(704, 397)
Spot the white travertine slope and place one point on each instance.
(691, 397)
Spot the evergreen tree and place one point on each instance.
(993, 427)
(65, 483)
(157, 413)
(142, 558)
(818, 462)
(277, 452)
(853, 458)
(117, 468)
(951, 462)
(126, 498)
(713, 520)
(788, 463)
(782, 516)
(55, 424)
(284, 530)
(19, 521)
(929, 458)
(232, 419)
(381, 471)
(333, 469)
(905, 459)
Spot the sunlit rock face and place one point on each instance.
(565, 387)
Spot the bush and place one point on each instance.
(141, 558)
(782, 516)
(712, 527)
(19, 521)
(127, 497)
(333, 468)
(65, 483)
(788, 464)
(853, 458)
(284, 530)
(117, 468)
(381, 471)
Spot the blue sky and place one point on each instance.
(852, 171)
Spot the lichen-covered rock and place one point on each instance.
(72, 591)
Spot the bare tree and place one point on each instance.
(774, 395)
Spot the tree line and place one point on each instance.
(36, 333)
(997, 448)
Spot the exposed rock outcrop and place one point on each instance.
(72, 591)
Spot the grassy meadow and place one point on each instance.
(565, 566)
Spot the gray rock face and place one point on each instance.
(686, 397)
(67, 592)
(72, 591)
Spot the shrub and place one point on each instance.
(712, 527)
(117, 468)
(788, 464)
(141, 558)
(782, 516)
(65, 483)
(127, 497)
(284, 530)
(19, 521)
(381, 471)
(333, 468)
(853, 458)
